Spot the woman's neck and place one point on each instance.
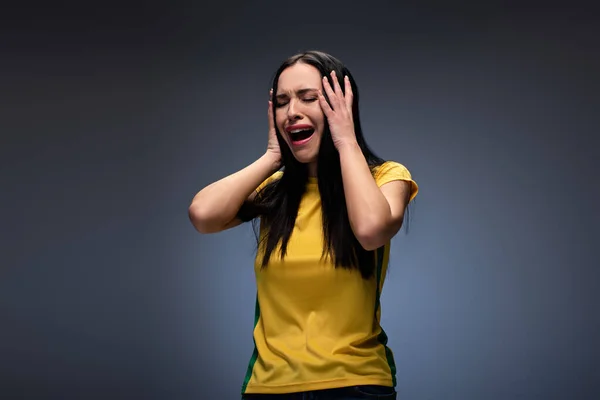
(312, 169)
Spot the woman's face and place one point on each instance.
(298, 114)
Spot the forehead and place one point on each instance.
(299, 76)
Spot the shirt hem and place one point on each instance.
(318, 385)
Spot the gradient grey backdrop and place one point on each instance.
(114, 116)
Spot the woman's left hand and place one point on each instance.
(339, 113)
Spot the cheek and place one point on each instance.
(321, 122)
(279, 121)
(319, 116)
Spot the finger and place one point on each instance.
(336, 85)
(338, 91)
(349, 95)
(270, 112)
(270, 115)
(330, 93)
(327, 110)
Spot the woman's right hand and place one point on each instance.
(273, 149)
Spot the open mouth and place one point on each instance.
(301, 135)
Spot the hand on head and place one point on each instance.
(339, 110)
(273, 148)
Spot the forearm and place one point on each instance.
(368, 209)
(217, 204)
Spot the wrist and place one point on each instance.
(347, 145)
(273, 160)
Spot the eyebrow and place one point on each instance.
(299, 92)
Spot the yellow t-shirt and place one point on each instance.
(317, 326)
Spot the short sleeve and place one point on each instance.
(393, 171)
(275, 176)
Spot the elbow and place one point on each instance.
(374, 234)
(370, 236)
(370, 243)
(200, 219)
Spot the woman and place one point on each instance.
(326, 221)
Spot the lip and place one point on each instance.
(301, 142)
(290, 128)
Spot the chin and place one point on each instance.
(306, 154)
(304, 158)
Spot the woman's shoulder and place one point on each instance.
(390, 171)
(391, 167)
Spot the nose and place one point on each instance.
(293, 111)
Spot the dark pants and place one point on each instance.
(372, 392)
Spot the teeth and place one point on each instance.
(300, 130)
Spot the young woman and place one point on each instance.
(325, 224)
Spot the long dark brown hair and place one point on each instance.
(277, 203)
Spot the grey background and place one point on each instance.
(114, 116)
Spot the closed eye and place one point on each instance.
(280, 104)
